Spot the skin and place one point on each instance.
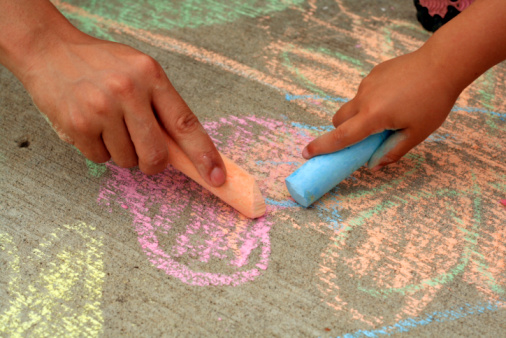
(414, 93)
(107, 99)
(112, 101)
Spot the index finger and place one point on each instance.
(185, 129)
(352, 131)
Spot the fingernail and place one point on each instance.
(305, 153)
(217, 176)
(376, 168)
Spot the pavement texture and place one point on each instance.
(416, 249)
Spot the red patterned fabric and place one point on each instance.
(440, 7)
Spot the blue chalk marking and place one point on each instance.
(320, 174)
(278, 163)
(308, 127)
(290, 97)
(282, 204)
(333, 220)
(438, 137)
(502, 116)
(439, 317)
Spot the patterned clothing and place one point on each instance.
(433, 14)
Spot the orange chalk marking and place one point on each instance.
(240, 190)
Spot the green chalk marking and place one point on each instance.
(95, 169)
(470, 250)
(340, 56)
(156, 15)
(286, 62)
(487, 83)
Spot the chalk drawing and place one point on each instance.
(91, 21)
(65, 298)
(452, 178)
(206, 234)
(210, 236)
(292, 68)
(95, 169)
(213, 236)
(156, 15)
(405, 262)
(406, 325)
(310, 68)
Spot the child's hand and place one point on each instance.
(409, 94)
(112, 101)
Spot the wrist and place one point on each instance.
(29, 31)
(449, 77)
(470, 44)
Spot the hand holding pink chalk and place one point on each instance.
(107, 99)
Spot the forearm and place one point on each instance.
(470, 44)
(28, 28)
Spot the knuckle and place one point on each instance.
(100, 105)
(120, 84)
(149, 66)
(209, 157)
(186, 123)
(79, 124)
(156, 158)
(368, 110)
(338, 135)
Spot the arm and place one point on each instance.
(414, 93)
(107, 99)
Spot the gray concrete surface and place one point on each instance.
(416, 249)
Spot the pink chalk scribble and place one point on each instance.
(216, 237)
(185, 230)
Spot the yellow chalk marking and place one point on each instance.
(65, 298)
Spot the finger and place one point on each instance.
(93, 149)
(85, 137)
(118, 141)
(344, 114)
(185, 129)
(350, 132)
(393, 149)
(147, 137)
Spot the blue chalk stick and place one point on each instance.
(320, 174)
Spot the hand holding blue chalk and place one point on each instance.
(320, 174)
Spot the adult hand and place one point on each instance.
(107, 99)
(112, 101)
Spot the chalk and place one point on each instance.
(320, 174)
(503, 202)
(240, 190)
